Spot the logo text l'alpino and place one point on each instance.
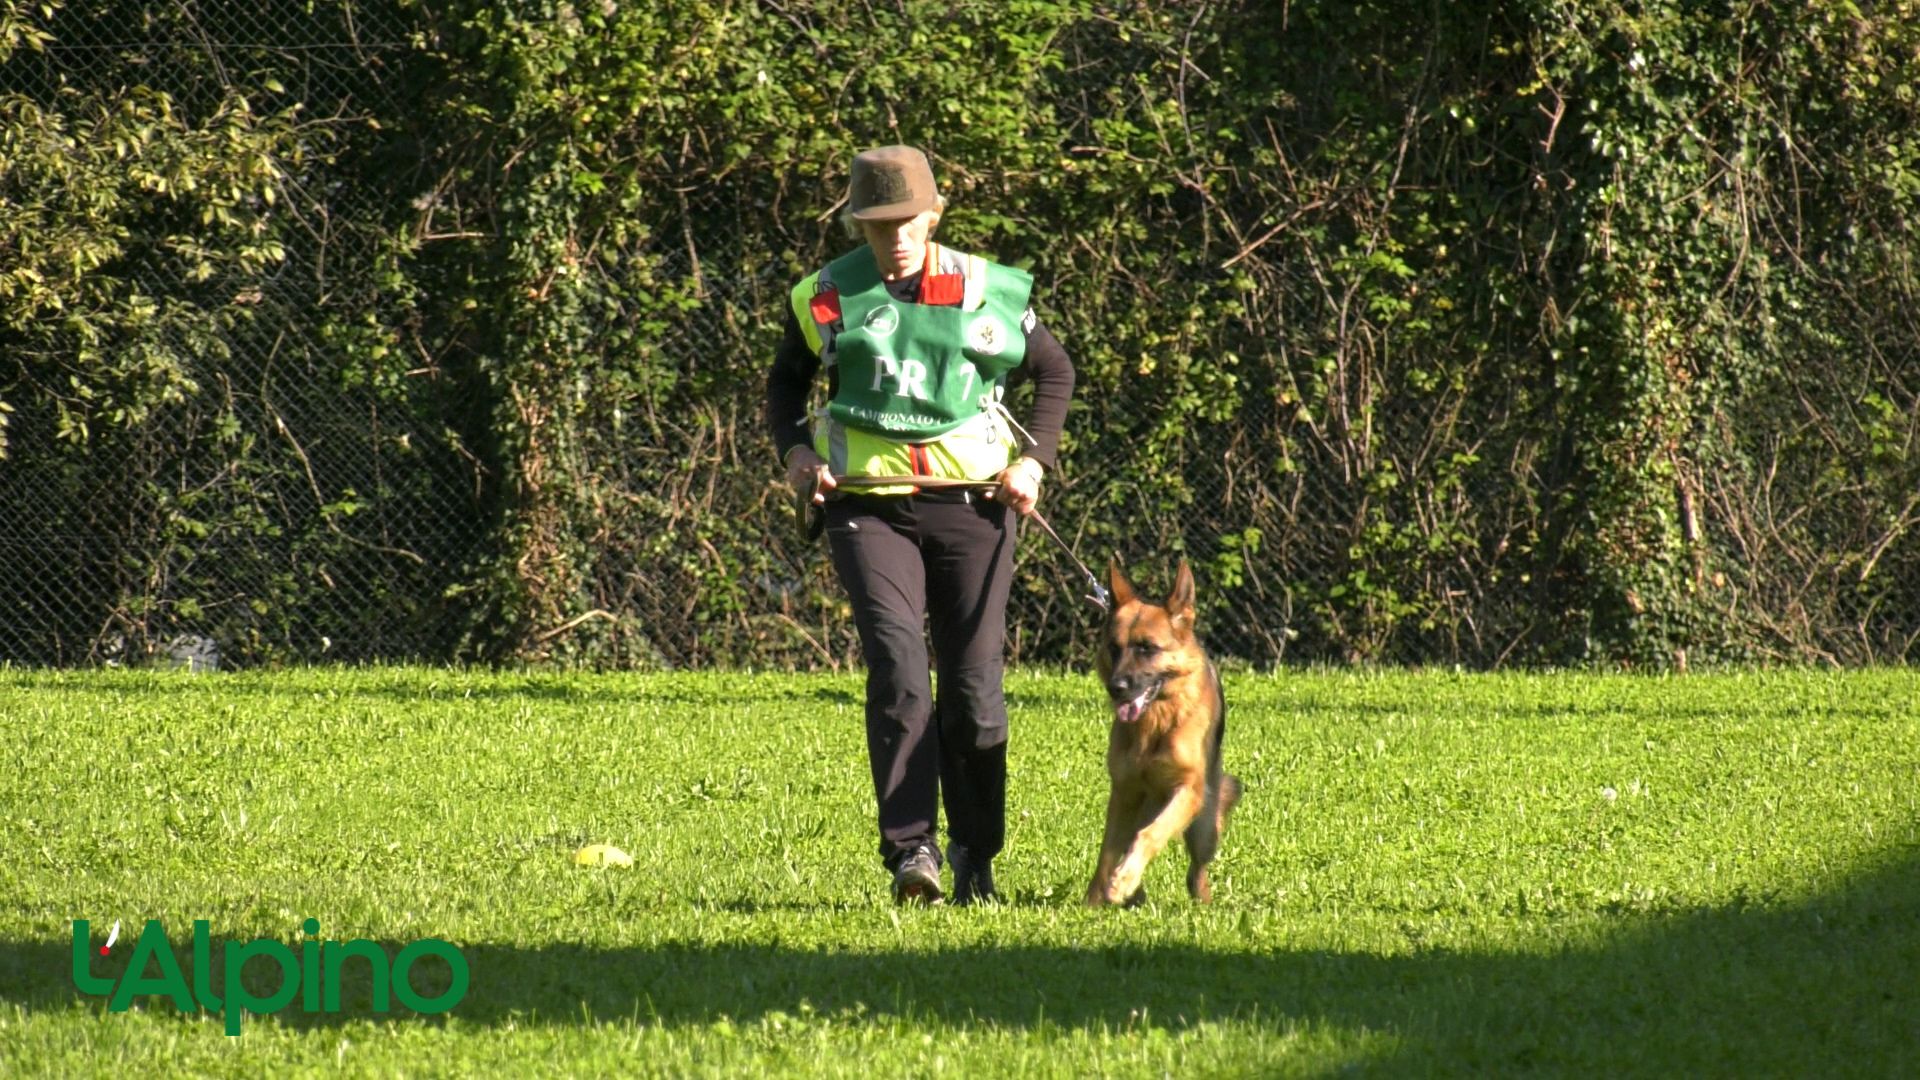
(314, 973)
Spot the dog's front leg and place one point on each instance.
(1171, 821)
(1123, 805)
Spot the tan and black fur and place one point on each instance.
(1163, 753)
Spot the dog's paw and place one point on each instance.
(1126, 881)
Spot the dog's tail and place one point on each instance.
(1229, 796)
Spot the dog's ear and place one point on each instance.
(1118, 584)
(1180, 600)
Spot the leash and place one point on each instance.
(1098, 597)
(813, 519)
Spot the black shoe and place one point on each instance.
(972, 878)
(917, 879)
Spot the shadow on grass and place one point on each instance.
(1829, 985)
(299, 689)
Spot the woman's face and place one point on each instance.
(900, 245)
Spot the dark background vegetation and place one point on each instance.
(1478, 333)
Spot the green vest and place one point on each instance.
(919, 385)
(916, 372)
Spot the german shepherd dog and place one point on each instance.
(1163, 753)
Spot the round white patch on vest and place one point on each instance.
(882, 320)
(986, 336)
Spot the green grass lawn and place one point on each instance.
(1716, 874)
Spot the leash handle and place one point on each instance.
(928, 483)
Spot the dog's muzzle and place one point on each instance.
(1128, 710)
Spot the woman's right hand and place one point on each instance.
(802, 466)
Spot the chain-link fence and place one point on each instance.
(284, 499)
(337, 530)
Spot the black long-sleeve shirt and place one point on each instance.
(1046, 365)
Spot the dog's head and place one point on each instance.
(1144, 644)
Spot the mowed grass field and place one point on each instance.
(1430, 873)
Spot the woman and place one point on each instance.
(920, 344)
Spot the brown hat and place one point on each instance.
(891, 182)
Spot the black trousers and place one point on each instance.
(947, 562)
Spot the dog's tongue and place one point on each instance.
(1128, 711)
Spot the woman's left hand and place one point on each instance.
(1020, 485)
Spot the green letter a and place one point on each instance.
(153, 944)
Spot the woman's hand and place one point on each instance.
(803, 465)
(1020, 485)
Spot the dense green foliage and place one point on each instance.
(1477, 332)
(196, 303)
(1429, 875)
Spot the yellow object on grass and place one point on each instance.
(601, 855)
